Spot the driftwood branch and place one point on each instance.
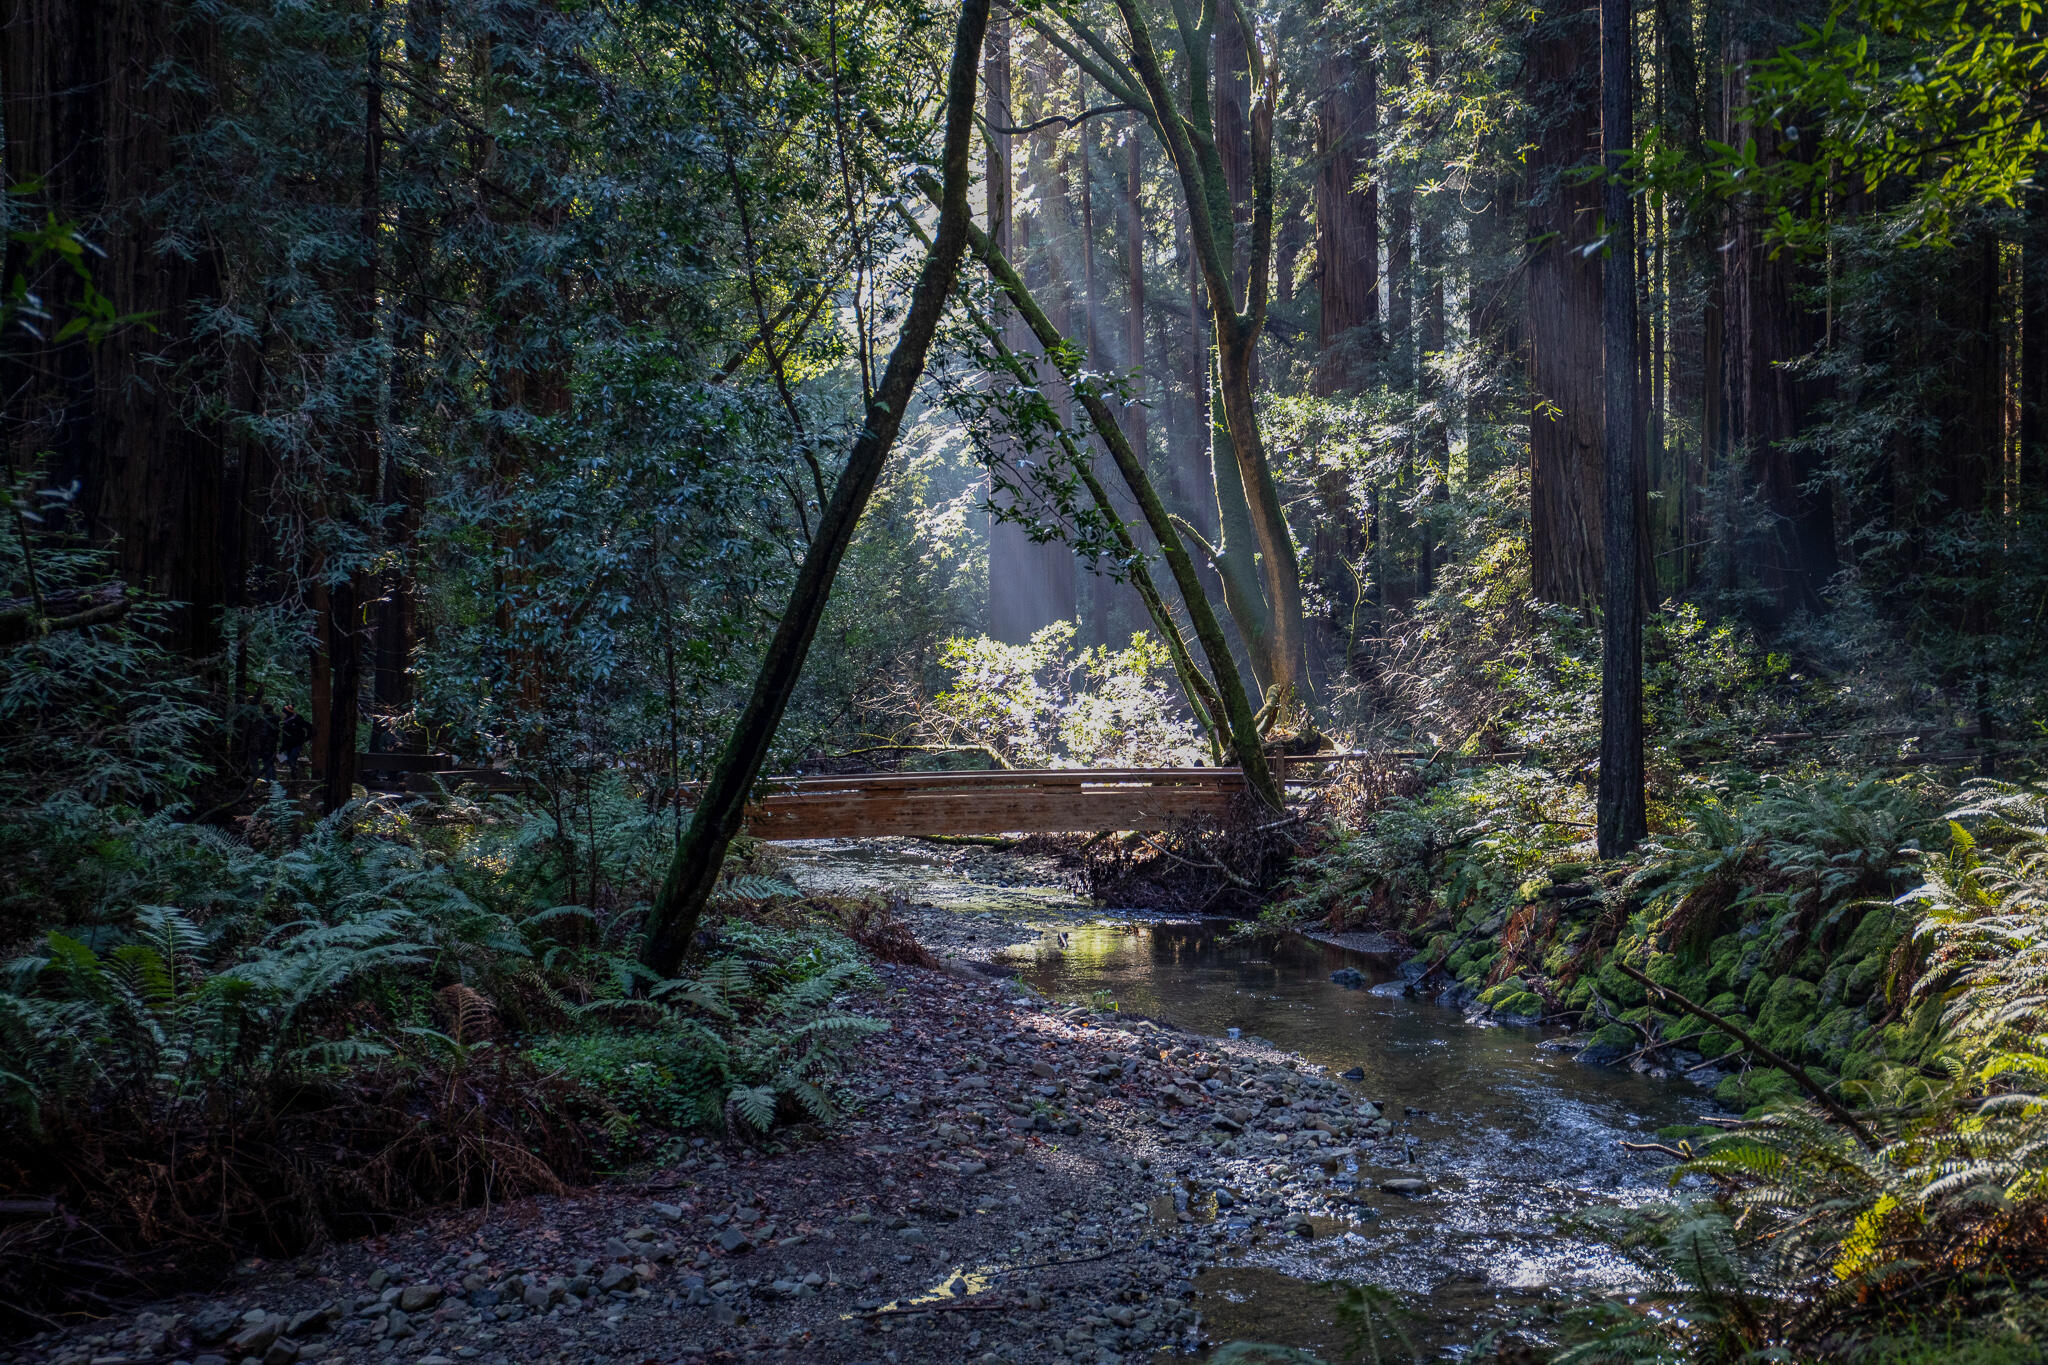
(1834, 1107)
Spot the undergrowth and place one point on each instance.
(329, 1023)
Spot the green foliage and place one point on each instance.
(1812, 1236)
(1941, 102)
(110, 715)
(749, 1037)
(153, 1026)
(1043, 704)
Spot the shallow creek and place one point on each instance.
(1514, 1140)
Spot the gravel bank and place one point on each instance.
(1014, 1181)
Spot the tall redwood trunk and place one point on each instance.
(2033, 394)
(1787, 551)
(347, 608)
(1347, 219)
(1031, 584)
(1621, 820)
(91, 119)
(1565, 423)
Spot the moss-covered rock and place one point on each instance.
(1786, 1013)
(1753, 994)
(1724, 959)
(1831, 1039)
(1512, 1000)
(1752, 1091)
(1864, 978)
(1876, 934)
(1609, 1043)
(1714, 1043)
(1665, 969)
(1625, 990)
(1726, 1004)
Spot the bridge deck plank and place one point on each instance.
(1008, 802)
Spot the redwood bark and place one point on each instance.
(1565, 423)
(1620, 814)
(2034, 347)
(89, 115)
(1347, 219)
(1787, 555)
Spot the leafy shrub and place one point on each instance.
(1043, 704)
(736, 1043)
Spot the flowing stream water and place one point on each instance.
(1516, 1141)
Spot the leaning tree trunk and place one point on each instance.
(672, 922)
(1620, 815)
(1237, 715)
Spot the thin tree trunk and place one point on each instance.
(2034, 348)
(1134, 414)
(346, 609)
(672, 921)
(1620, 813)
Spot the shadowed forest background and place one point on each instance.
(473, 378)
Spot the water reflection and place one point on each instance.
(1513, 1141)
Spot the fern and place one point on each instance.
(753, 887)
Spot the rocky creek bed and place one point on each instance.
(1018, 1180)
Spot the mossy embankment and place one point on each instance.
(1773, 910)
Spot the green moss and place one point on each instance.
(1714, 1043)
(1877, 933)
(2006, 1349)
(1753, 994)
(1502, 1001)
(1612, 1035)
(1863, 979)
(1831, 1039)
(1723, 959)
(1786, 1013)
(1753, 1091)
(1621, 989)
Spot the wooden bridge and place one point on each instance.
(1026, 801)
(1010, 801)
(857, 805)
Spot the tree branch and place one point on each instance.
(1066, 121)
(1836, 1110)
